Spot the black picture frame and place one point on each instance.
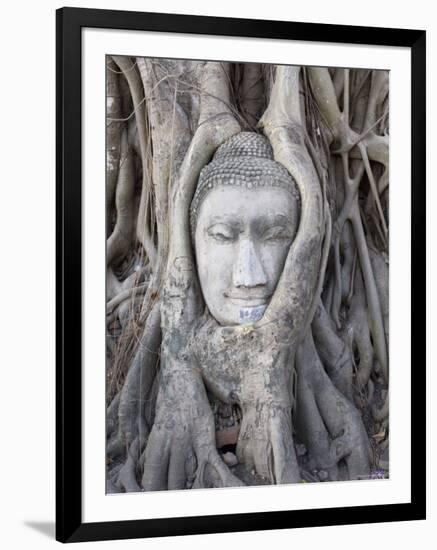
(69, 24)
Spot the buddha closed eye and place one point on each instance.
(244, 217)
(264, 228)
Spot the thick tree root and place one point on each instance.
(333, 428)
(120, 240)
(181, 448)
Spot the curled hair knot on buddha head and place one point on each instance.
(245, 160)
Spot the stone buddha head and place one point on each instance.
(244, 216)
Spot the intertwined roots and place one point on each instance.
(303, 393)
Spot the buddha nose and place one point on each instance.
(248, 269)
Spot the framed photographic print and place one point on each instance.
(240, 274)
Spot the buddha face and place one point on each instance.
(242, 239)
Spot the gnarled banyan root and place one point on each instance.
(304, 375)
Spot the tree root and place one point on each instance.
(130, 72)
(124, 295)
(282, 123)
(113, 138)
(136, 388)
(251, 93)
(336, 356)
(360, 332)
(337, 426)
(126, 478)
(120, 240)
(182, 441)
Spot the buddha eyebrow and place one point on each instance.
(226, 219)
(270, 220)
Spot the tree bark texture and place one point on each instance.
(302, 394)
